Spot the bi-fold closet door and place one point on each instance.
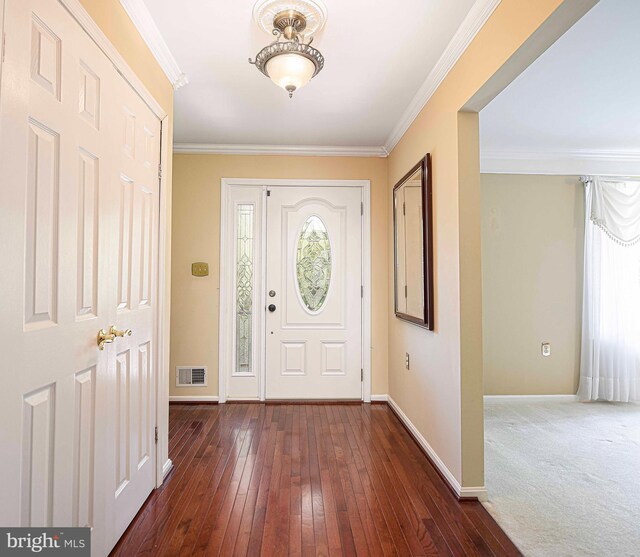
(79, 154)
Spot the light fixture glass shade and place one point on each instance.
(290, 71)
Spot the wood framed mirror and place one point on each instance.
(413, 246)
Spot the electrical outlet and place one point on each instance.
(546, 349)
(406, 361)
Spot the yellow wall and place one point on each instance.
(532, 254)
(196, 237)
(442, 393)
(120, 30)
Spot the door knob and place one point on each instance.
(272, 308)
(104, 338)
(119, 333)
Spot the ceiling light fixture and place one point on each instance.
(290, 61)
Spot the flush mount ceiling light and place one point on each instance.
(290, 61)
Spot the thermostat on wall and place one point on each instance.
(200, 269)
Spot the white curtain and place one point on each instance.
(610, 362)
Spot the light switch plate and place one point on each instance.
(200, 269)
(546, 349)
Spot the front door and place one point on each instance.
(314, 293)
(79, 154)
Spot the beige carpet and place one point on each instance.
(564, 477)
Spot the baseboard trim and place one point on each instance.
(194, 399)
(462, 493)
(166, 468)
(379, 398)
(315, 401)
(530, 398)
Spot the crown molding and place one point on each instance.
(142, 19)
(476, 18)
(566, 162)
(291, 150)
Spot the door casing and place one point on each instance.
(225, 351)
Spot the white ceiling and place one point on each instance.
(378, 55)
(581, 96)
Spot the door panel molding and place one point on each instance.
(225, 337)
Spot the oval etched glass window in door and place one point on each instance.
(313, 263)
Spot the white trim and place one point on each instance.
(163, 305)
(146, 26)
(2, 7)
(379, 398)
(223, 345)
(479, 493)
(275, 182)
(291, 150)
(366, 297)
(166, 468)
(489, 399)
(78, 12)
(262, 383)
(568, 162)
(224, 348)
(476, 18)
(204, 398)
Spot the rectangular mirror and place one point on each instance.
(412, 229)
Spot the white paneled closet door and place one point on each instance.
(79, 155)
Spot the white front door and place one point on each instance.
(79, 154)
(314, 293)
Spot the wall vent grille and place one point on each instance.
(195, 376)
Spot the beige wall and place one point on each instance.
(442, 393)
(532, 253)
(119, 29)
(196, 237)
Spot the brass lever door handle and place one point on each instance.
(120, 333)
(104, 338)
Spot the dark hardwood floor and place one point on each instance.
(293, 479)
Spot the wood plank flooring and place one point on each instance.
(297, 479)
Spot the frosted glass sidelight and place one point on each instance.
(313, 263)
(244, 288)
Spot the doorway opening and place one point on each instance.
(562, 126)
